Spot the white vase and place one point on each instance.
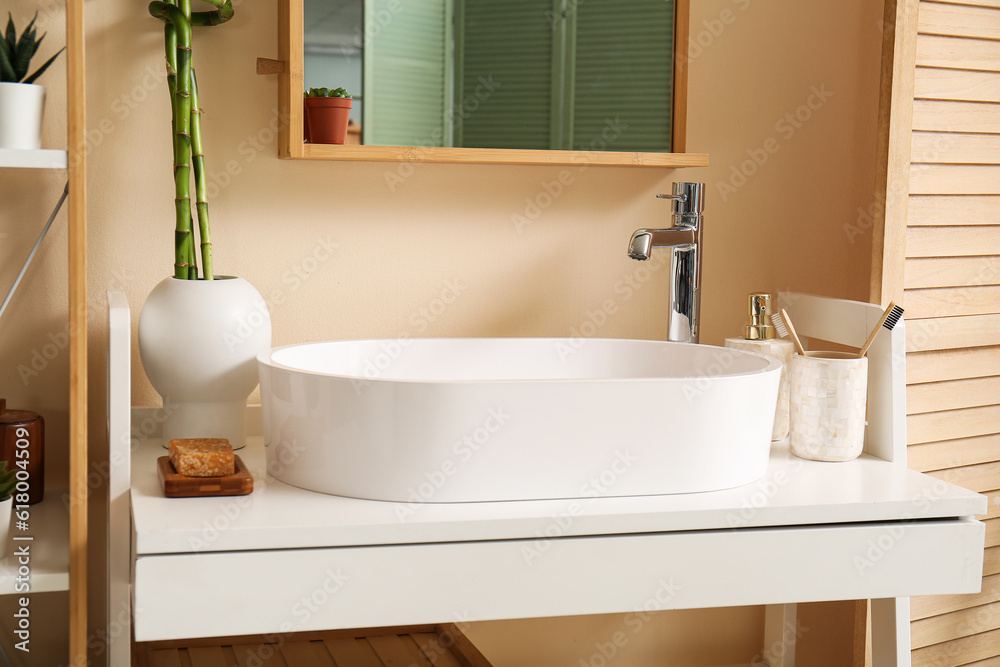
(21, 108)
(198, 340)
(5, 511)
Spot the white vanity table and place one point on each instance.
(287, 560)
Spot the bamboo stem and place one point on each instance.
(217, 17)
(200, 182)
(186, 131)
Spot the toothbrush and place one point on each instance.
(787, 322)
(779, 325)
(888, 321)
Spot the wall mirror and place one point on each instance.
(484, 81)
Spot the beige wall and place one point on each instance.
(445, 224)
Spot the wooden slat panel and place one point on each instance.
(951, 116)
(976, 3)
(991, 561)
(945, 627)
(464, 650)
(951, 301)
(245, 653)
(167, 657)
(942, 333)
(258, 655)
(353, 652)
(954, 148)
(992, 532)
(980, 478)
(306, 654)
(924, 607)
(949, 271)
(958, 53)
(395, 650)
(952, 424)
(952, 399)
(993, 508)
(949, 210)
(954, 453)
(431, 647)
(958, 20)
(953, 395)
(207, 656)
(419, 657)
(958, 241)
(933, 83)
(989, 662)
(955, 179)
(958, 652)
(952, 364)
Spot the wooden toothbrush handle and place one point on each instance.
(878, 327)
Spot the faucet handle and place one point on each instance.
(689, 198)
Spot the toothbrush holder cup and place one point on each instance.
(829, 391)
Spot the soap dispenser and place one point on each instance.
(759, 337)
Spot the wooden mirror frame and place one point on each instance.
(291, 144)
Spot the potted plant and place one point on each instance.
(7, 484)
(22, 101)
(327, 114)
(199, 333)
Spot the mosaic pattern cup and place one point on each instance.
(829, 393)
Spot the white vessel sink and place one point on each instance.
(480, 419)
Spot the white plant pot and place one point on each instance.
(198, 340)
(5, 510)
(22, 106)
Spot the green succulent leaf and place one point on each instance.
(11, 32)
(41, 70)
(327, 92)
(34, 50)
(7, 73)
(7, 481)
(28, 35)
(25, 50)
(16, 52)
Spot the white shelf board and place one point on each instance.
(794, 492)
(48, 525)
(44, 158)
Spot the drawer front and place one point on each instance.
(294, 590)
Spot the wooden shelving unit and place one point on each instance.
(76, 106)
(59, 537)
(49, 530)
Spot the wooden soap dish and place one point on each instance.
(240, 483)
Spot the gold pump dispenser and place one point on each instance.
(759, 309)
(759, 338)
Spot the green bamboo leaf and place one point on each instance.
(7, 73)
(41, 70)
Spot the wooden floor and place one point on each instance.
(424, 646)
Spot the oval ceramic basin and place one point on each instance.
(479, 419)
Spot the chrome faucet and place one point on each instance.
(684, 238)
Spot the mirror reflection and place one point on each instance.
(522, 74)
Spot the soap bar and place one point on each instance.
(202, 457)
